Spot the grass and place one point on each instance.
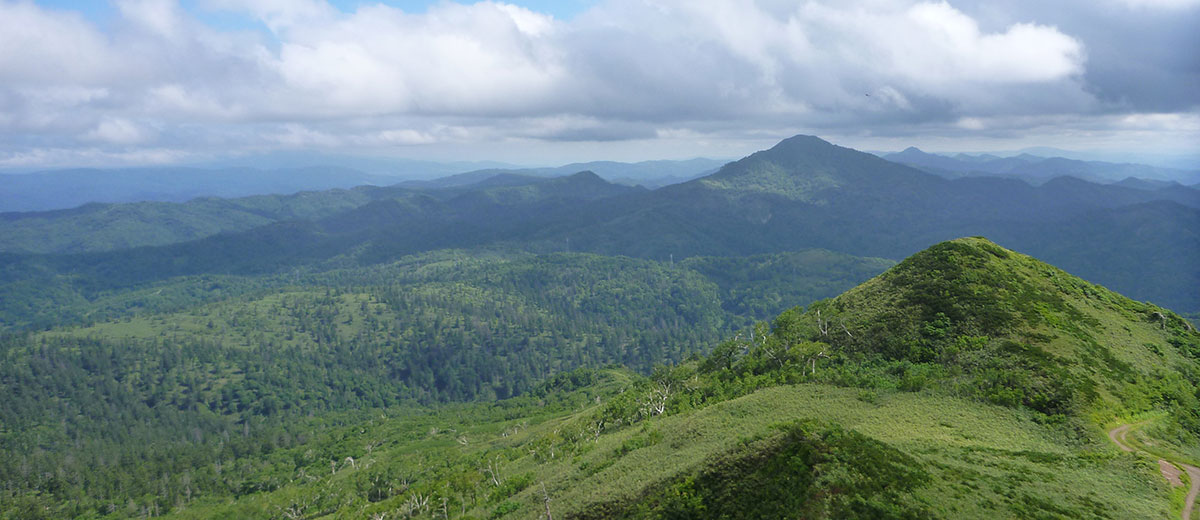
(985, 460)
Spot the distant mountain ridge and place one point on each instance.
(1037, 169)
(63, 189)
(803, 193)
(649, 174)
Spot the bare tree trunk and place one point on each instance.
(546, 498)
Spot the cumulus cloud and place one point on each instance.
(1162, 4)
(39, 47)
(379, 77)
(115, 130)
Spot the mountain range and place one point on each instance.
(63, 189)
(803, 193)
(1037, 170)
(802, 332)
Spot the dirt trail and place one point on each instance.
(1171, 472)
(1118, 434)
(1190, 504)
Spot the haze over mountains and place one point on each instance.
(1037, 169)
(286, 174)
(63, 189)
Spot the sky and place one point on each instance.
(149, 82)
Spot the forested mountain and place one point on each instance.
(1037, 170)
(807, 193)
(803, 193)
(967, 381)
(649, 174)
(106, 227)
(64, 189)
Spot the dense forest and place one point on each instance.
(252, 365)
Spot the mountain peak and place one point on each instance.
(587, 176)
(802, 140)
(804, 166)
(802, 145)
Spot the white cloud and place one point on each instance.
(480, 59)
(627, 69)
(280, 15)
(73, 157)
(405, 137)
(117, 131)
(161, 17)
(1161, 4)
(40, 47)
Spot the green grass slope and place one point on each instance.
(997, 324)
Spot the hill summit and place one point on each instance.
(1008, 328)
(804, 166)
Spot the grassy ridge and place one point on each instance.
(959, 458)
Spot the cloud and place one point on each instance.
(379, 77)
(117, 131)
(1161, 4)
(480, 60)
(39, 47)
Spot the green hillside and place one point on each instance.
(155, 378)
(967, 381)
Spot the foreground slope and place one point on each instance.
(968, 381)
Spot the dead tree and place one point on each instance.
(546, 500)
(822, 325)
(492, 471)
(659, 395)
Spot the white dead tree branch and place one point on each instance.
(822, 325)
(546, 500)
(492, 471)
(656, 403)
